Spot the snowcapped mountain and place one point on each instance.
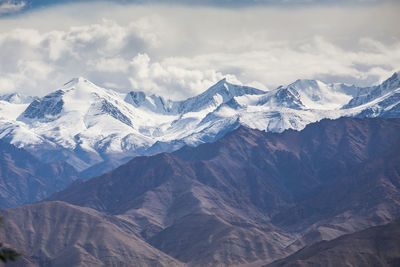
(95, 129)
(378, 101)
(17, 98)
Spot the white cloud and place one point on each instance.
(7, 85)
(118, 65)
(180, 51)
(168, 79)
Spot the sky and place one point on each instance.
(178, 48)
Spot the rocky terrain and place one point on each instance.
(255, 196)
(60, 234)
(375, 246)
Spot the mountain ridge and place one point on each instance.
(276, 191)
(86, 125)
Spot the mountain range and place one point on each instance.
(96, 129)
(251, 197)
(235, 176)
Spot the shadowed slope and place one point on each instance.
(24, 179)
(376, 247)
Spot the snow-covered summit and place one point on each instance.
(76, 80)
(315, 94)
(309, 94)
(218, 94)
(77, 99)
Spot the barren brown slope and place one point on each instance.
(254, 195)
(377, 246)
(181, 216)
(60, 234)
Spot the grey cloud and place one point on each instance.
(180, 51)
(10, 7)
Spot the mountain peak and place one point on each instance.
(76, 80)
(84, 87)
(220, 93)
(305, 82)
(80, 82)
(231, 89)
(396, 75)
(391, 83)
(223, 80)
(217, 87)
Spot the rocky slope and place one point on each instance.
(60, 234)
(375, 246)
(254, 195)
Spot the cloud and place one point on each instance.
(180, 51)
(33, 4)
(112, 65)
(11, 6)
(169, 79)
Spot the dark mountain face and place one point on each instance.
(279, 172)
(373, 247)
(289, 97)
(254, 195)
(47, 107)
(24, 179)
